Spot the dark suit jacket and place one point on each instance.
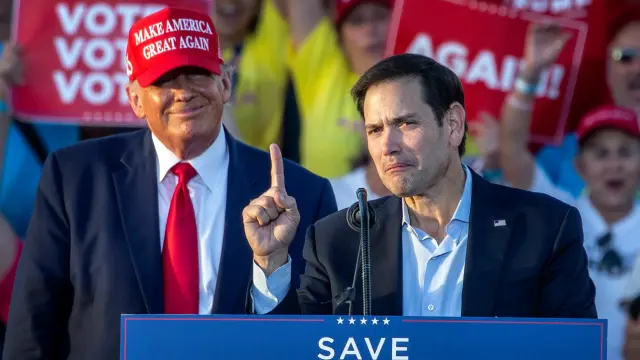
(92, 250)
(535, 266)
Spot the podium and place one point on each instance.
(238, 337)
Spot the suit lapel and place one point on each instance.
(490, 228)
(237, 257)
(386, 260)
(136, 186)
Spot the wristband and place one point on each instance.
(4, 109)
(525, 87)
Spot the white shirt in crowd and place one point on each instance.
(345, 187)
(610, 287)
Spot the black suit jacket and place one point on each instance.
(535, 266)
(92, 249)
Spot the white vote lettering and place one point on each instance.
(101, 19)
(96, 88)
(97, 54)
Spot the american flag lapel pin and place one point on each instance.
(500, 222)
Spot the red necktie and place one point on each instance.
(180, 250)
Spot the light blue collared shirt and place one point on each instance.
(432, 274)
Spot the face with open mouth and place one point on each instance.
(610, 165)
(233, 18)
(624, 67)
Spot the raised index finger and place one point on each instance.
(277, 167)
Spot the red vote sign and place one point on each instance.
(483, 43)
(74, 58)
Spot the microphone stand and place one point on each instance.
(365, 247)
(360, 218)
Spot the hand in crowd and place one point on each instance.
(271, 221)
(10, 68)
(485, 132)
(543, 45)
(631, 349)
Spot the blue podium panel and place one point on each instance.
(166, 337)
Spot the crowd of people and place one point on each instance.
(294, 64)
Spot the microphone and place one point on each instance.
(361, 217)
(354, 216)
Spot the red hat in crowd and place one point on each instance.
(344, 7)
(612, 117)
(169, 39)
(620, 18)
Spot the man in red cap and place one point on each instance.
(151, 221)
(608, 161)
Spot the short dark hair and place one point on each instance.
(441, 87)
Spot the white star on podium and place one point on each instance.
(374, 321)
(352, 321)
(363, 321)
(340, 320)
(386, 321)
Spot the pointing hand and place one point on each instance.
(271, 221)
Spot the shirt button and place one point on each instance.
(431, 307)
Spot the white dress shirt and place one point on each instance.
(432, 273)
(610, 288)
(208, 192)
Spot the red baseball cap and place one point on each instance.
(344, 7)
(609, 117)
(169, 39)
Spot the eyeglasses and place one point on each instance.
(624, 55)
(611, 261)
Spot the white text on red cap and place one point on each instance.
(172, 43)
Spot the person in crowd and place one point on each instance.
(328, 55)
(151, 221)
(364, 175)
(486, 132)
(608, 160)
(23, 147)
(253, 36)
(10, 244)
(623, 82)
(441, 216)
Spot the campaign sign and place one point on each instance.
(73, 53)
(238, 337)
(483, 43)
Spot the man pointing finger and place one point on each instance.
(271, 221)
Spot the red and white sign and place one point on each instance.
(483, 43)
(73, 54)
